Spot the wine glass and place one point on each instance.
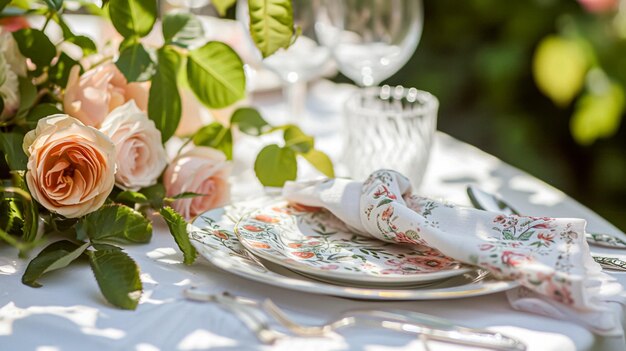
(370, 39)
(304, 60)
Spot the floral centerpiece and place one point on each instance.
(82, 159)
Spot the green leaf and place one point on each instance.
(215, 74)
(28, 95)
(133, 17)
(598, 115)
(275, 165)
(173, 23)
(54, 5)
(186, 195)
(61, 70)
(155, 194)
(135, 63)
(11, 216)
(3, 4)
(507, 235)
(114, 223)
(84, 42)
(132, 197)
(249, 121)
(164, 104)
(11, 147)
(217, 136)
(383, 202)
(40, 111)
(28, 208)
(182, 29)
(36, 46)
(525, 236)
(271, 24)
(105, 247)
(56, 256)
(559, 68)
(118, 277)
(321, 162)
(297, 140)
(178, 229)
(223, 5)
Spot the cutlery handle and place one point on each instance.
(613, 263)
(435, 328)
(605, 240)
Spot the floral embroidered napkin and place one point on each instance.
(549, 257)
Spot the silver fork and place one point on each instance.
(425, 326)
(428, 328)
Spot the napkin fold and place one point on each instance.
(549, 257)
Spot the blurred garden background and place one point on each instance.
(537, 83)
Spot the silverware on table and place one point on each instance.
(490, 202)
(425, 326)
(244, 309)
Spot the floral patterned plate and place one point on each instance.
(314, 242)
(212, 235)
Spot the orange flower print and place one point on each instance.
(294, 245)
(303, 254)
(304, 208)
(252, 228)
(387, 213)
(259, 245)
(266, 218)
(220, 234)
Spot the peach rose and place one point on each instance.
(71, 167)
(201, 170)
(140, 156)
(97, 92)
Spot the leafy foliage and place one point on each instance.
(215, 74)
(117, 276)
(178, 228)
(164, 105)
(271, 24)
(56, 256)
(123, 225)
(133, 17)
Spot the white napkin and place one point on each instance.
(549, 257)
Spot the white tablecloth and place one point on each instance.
(69, 313)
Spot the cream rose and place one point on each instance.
(200, 170)
(71, 167)
(97, 92)
(140, 156)
(11, 52)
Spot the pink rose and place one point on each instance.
(140, 156)
(97, 92)
(71, 167)
(201, 170)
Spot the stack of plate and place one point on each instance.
(309, 249)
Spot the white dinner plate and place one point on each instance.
(212, 235)
(314, 242)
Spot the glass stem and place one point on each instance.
(295, 94)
